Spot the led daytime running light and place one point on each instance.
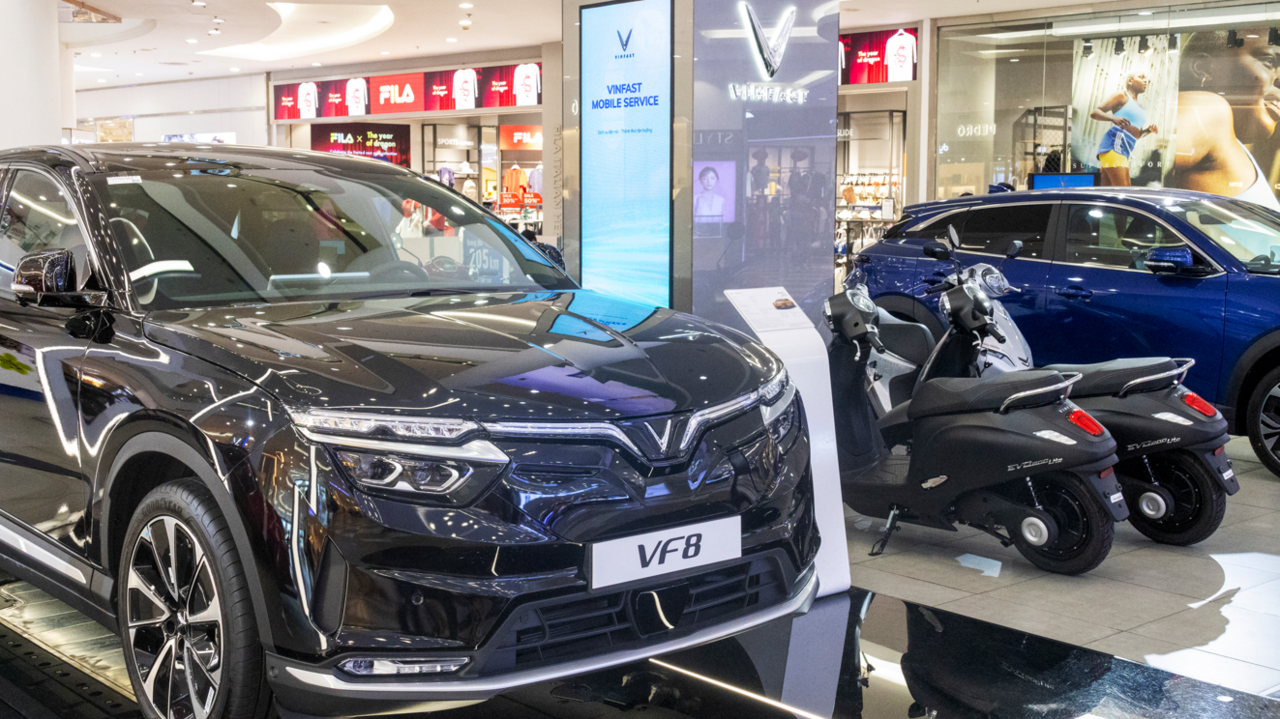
(441, 428)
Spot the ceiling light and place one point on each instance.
(215, 31)
(101, 80)
(465, 23)
(385, 52)
(1145, 12)
(198, 3)
(138, 74)
(96, 54)
(218, 19)
(451, 39)
(235, 69)
(192, 41)
(290, 41)
(1013, 59)
(315, 64)
(466, 6)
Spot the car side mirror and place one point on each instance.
(937, 250)
(1014, 249)
(1168, 260)
(49, 279)
(552, 252)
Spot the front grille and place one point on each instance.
(573, 627)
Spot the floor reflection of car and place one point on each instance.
(1105, 274)
(312, 431)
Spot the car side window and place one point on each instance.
(37, 217)
(990, 230)
(937, 230)
(1100, 236)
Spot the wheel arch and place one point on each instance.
(1261, 357)
(158, 452)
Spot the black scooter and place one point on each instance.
(1171, 444)
(984, 454)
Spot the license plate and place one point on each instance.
(644, 556)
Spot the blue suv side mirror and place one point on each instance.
(1168, 260)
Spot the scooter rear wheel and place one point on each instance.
(1085, 526)
(1198, 500)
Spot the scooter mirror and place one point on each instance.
(1014, 249)
(955, 236)
(937, 251)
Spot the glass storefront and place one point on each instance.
(1182, 97)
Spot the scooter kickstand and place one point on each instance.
(890, 527)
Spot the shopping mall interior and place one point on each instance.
(581, 358)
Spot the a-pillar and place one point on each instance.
(30, 55)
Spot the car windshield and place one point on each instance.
(211, 238)
(1249, 232)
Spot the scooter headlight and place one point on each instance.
(944, 304)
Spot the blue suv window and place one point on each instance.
(990, 230)
(1101, 236)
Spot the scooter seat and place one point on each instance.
(1108, 378)
(950, 395)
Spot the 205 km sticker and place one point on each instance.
(642, 556)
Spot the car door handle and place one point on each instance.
(1075, 292)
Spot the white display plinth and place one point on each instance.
(782, 327)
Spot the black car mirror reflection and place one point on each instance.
(937, 250)
(48, 278)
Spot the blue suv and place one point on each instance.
(1109, 273)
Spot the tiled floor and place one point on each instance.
(1211, 611)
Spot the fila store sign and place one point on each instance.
(398, 93)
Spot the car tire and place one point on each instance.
(186, 619)
(1262, 420)
(1199, 502)
(1085, 526)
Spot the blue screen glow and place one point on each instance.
(626, 150)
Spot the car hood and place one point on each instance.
(563, 355)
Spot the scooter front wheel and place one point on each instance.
(1198, 500)
(1085, 525)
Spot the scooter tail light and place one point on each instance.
(1085, 421)
(1196, 402)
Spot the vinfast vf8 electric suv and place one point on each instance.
(311, 429)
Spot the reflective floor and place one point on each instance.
(853, 655)
(1210, 611)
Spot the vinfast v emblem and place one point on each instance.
(625, 42)
(771, 51)
(662, 439)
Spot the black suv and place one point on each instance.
(317, 431)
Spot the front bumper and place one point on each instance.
(306, 689)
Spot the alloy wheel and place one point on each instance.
(174, 621)
(1269, 421)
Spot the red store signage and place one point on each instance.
(520, 137)
(873, 57)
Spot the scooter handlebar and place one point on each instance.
(938, 288)
(995, 332)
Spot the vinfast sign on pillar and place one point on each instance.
(626, 149)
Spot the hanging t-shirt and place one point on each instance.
(535, 180)
(514, 180)
(528, 84)
(308, 100)
(900, 57)
(357, 96)
(446, 176)
(464, 90)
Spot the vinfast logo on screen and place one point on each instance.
(626, 149)
(771, 50)
(398, 93)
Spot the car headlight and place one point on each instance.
(349, 423)
(784, 421)
(774, 388)
(419, 474)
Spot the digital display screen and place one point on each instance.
(882, 56)
(626, 149)
(462, 89)
(1057, 181)
(389, 143)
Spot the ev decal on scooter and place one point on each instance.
(691, 549)
(1152, 443)
(930, 484)
(1034, 463)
